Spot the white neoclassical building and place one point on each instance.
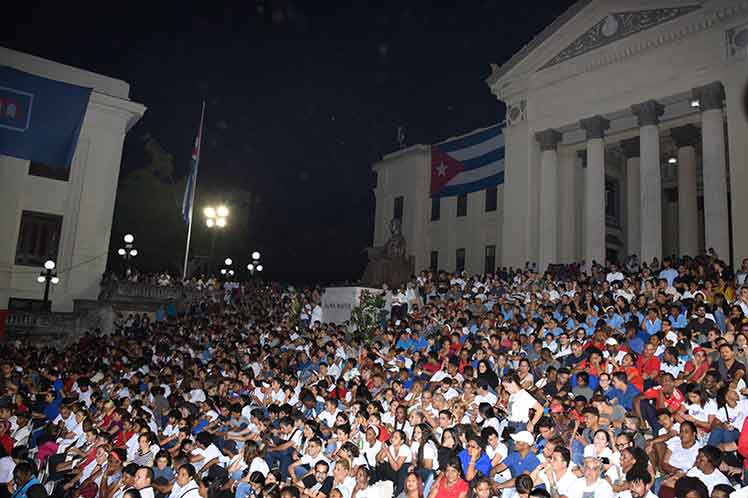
(64, 215)
(626, 133)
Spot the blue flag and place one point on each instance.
(189, 189)
(40, 119)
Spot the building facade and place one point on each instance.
(63, 215)
(626, 133)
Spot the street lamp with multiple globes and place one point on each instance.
(48, 276)
(228, 271)
(215, 217)
(128, 251)
(255, 265)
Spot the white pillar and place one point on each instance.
(716, 223)
(594, 219)
(548, 140)
(650, 179)
(685, 139)
(633, 197)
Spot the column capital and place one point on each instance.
(630, 147)
(594, 126)
(548, 139)
(648, 112)
(686, 136)
(710, 96)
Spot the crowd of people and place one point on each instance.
(578, 383)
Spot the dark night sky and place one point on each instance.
(302, 96)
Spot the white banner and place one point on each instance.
(337, 303)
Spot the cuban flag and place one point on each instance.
(189, 189)
(469, 163)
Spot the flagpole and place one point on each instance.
(192, 195)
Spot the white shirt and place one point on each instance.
(710, 480)
(682, 458)
(7, 465)
(208, 454)
(429, 453)
(600, 489)
(565, 484)
(702, 413)
(734, 416)
(259, 465)
(519, 407)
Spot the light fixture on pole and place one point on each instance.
(128, 251)
(48, 276)
(215, 217)
(228, 271)
(255, 264)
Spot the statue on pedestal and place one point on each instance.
(389, 264)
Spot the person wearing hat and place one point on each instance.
(519, 461)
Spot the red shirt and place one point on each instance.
(650, 366)
(453, 491)
(672, 402)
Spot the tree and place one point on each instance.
(366, 316)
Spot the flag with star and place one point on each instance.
(468, 163)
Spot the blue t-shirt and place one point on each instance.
(483, 465)
(626, 399)
(518, 465)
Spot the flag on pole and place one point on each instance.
(189, 189)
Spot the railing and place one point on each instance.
(40, 326)
(115, 291)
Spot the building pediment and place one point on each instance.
(595, 33)
(616, 26)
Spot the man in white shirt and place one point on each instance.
(640, 484)
(485, 396)
(143, 480)
(556, 474)
(707, 468)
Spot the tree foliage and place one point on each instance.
(366, 316)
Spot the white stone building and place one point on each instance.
(65, 215)
(626, 133)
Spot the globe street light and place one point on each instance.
(255, 264)
(128, 251)
(48, 276)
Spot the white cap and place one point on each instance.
(610, 341)
(523, 437)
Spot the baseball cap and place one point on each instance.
(523, 437)
(610, 341)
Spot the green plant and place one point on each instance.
(365, 317)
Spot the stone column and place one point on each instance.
(716, 223)
(548, 140)
(594, 218)
(685, 139)
(650, 178)
(630, 148)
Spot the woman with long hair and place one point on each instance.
(450, 446)
(393, 460)
(413, 486)
(425, 455)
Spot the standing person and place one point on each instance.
(519, 405)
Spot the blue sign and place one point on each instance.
(40, 119)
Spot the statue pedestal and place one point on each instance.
(393, 272)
